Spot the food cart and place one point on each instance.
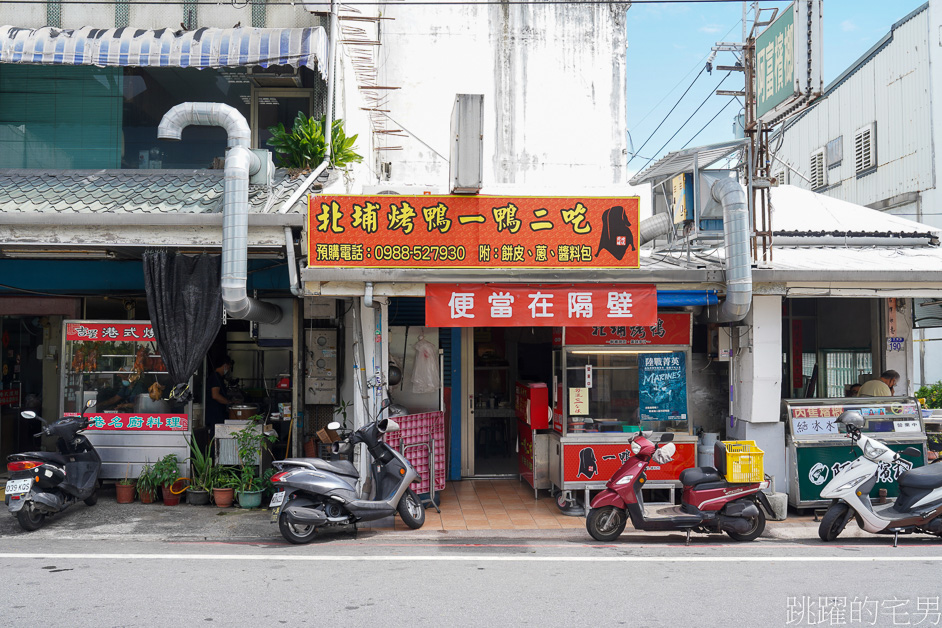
(610, 383)
(100, 359)
(818, 448)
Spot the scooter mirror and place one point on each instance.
(89, 403)
(666, 438)
(911, 452)
(333, 425)
(28, 414)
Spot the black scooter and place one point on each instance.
(44, 482)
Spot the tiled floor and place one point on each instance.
(494, 505)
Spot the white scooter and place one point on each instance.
(917, 509)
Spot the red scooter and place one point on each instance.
(710, 504)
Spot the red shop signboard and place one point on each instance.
(670, 328)
(476, 231)
(139, 422)
(598, 463)
(513, 305)
(109, 332)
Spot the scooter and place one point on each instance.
(314, 493)
(918, 508)
(709, 503)
(44, 482)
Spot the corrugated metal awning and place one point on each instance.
(682, 161)
(201, 48)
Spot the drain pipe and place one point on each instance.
(329, 124)
(731, 195)
(240, 163)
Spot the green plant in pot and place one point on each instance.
(166, 472)
(146, 484)
(201, 467)
(124, 487)
(305, 144)
(223, 482)
(250, 442)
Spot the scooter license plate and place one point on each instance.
(18, 487)
(277, 499)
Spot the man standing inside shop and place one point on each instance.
(217, 402)
(881, 387)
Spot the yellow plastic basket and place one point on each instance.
(743, 461)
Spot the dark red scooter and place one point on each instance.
(710, 504)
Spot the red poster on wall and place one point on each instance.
(512, 305)
(597, 463)
(671, 328)
(473, 232)
(10, 396)
(109, 332)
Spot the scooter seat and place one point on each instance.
(929, 476)
(340, 467)
(699, 475)
(46, 456)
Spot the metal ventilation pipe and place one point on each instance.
(654, 226)
(731, 195)
(240, 163)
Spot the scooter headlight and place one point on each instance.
(853, 483)
(871, 451)
(625, 480)
(635, 448)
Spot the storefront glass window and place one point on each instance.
(844, 368)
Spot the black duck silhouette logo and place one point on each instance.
(616, 233)
(588, 465)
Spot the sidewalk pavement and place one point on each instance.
(470, 509)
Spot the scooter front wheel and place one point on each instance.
(606, 523)
(30, 519)
(92, 499)
(833, 522)
(295, 532)
(411, 510)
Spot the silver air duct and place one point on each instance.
(731, 195)
(654, 226)
(240, 163)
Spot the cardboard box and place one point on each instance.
(327, 436)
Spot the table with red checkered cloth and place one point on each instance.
(425, 427)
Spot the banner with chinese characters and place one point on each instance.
(140, 422)
(596, 463)
(513, 305)
(108, 332)
(671, 328)
(10, 396)
(473, 232)
(662, 386)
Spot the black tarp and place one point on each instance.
(185, 301)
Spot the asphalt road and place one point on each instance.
(470, 580)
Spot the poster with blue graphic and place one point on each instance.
(662, 386)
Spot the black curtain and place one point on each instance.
(185, 301)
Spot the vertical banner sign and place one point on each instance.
(788, 60)
(891, 316)
(492, 232)
(662, 386)
(513, 305)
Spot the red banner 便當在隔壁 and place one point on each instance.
(494, 232)
(512, 305)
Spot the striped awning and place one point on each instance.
(200, 48)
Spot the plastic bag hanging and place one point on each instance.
(425, 376)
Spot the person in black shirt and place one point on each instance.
(217, 402)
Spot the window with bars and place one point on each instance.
(843, 368)
(818, 170)
(865, 148)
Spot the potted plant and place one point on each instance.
(166, 472)
(304, 145)
(146, 486)
(124, 489)
(201, 465)
(250, 442)
(223, 484)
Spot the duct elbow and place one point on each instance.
(731, 195)
(207, 114)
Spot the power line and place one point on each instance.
(686, 121)
(635, 153)
(707, 124)
(386, 2)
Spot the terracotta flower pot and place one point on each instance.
(169, 498)
(147, 497)
(223, 497)
(124, 493)
(310, 449)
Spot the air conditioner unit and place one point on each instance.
(401, 190)
(274, 76)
